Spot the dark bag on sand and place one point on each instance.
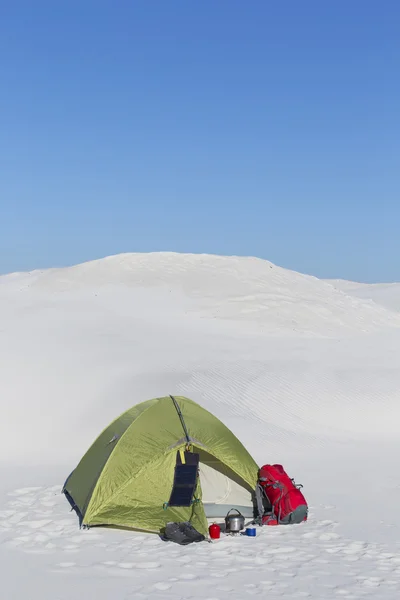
(181, 533)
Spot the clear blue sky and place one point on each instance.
(222, 126)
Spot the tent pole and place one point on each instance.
(178, 410)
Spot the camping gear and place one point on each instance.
(166, 460)
(214, 531)
(288, 505)
(181, 533)
(251, 531)
(234, 523)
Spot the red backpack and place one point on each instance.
(287, 503)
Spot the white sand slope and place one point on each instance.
(385, 294)
(299, 562)
(304, 373)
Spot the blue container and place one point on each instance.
(251, 531)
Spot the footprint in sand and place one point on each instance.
(355, 548)
(371, 581)
(162, 586)
(50, 546)
(334, 549)
(310, 535)
(329, 536)
(218, 574)
(187, 576)
(225, 588)
(147, 565)
(126, 565)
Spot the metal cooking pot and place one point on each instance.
(234, 523)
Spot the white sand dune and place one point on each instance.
(235, 288)
(385, 294)
(303, 372)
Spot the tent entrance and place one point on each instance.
(222, 489)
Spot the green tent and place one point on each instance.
(166, 459)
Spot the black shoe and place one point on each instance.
(190, 532)
(174, 533)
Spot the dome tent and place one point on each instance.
(165, 459)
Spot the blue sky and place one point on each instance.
(222, 126)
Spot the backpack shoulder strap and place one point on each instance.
(259, 493)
